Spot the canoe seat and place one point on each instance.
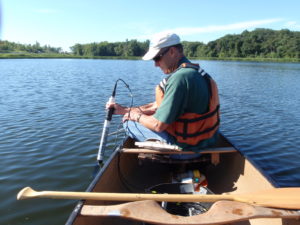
(160, 152)
(221, 212)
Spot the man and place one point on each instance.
(186, 110)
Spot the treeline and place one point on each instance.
(260, 43)
(9, 47)
(125, 49)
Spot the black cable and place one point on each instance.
(131, 104)
(129, 186)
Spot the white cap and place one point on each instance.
(160, 41)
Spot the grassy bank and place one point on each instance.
(31, 55)
(57, 56)
(248, 59)
(66, 55)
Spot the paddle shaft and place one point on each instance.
(125, 196)
(277, 198)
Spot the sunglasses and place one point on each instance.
(158, 57)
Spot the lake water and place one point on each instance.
(52, 112)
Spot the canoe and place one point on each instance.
(147, 167)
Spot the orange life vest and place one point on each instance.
(192, 128)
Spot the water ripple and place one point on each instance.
(52, 112)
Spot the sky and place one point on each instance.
(63, 23)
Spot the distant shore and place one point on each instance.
(72, 56)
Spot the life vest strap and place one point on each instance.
(190, 65)
(210, 114)
(186, 135)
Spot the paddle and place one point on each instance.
(288, 198)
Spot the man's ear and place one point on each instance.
(173, 52)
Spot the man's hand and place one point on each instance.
(132, 115)
(146, 120)
(120, 110)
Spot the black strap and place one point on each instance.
(186, 135)
(200, 117)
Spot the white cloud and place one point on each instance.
(218, 28)
(293, 25)
(228, 27)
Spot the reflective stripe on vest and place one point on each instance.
(192, 128)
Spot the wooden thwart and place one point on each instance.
(168, 151)
(220, 212)
(215, 152)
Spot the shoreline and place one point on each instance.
(70, 56)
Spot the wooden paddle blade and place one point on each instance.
(25, 193)
(287, 198)
(221, 212)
